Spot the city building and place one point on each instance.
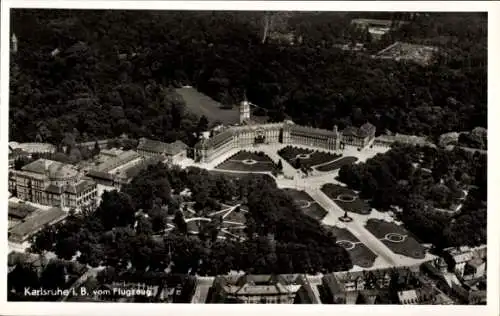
(388, 140)
(251, 133)
(16, 153)
(49, 182)
(174, 152)
(32, 148)
(359, 137)
(31, 223)
(256, 289)
(17, 212)
(377, 28)
(115, 167)
(348, 287)
(458, 257)
(474, 269)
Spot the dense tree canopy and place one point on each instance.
(128, 228)
(420, 180)
(110, 76)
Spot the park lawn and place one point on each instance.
(315, 211)
(409, 247)
(360, 255)
(202, 104)
(357, 206)
(337, 164)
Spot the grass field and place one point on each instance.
(261, 162)
(337, 164)
(360, 254)
(405, 245)
(290, 153)
(357, 206)
(201, 104)
(307, 204)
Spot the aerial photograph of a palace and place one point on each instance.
(252, 157)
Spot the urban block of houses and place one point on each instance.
(26, 222)
(373, 287)
(467, 280)
(467, 262)
(360, 287)
(53, 183)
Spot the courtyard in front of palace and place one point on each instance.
(373, 239)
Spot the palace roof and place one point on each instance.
(312, 130)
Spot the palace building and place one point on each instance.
(249, 133)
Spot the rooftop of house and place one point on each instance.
(121, 159)
(407, 295)
(80, 187)
(36, 221)
(336, 281)
(53, 169)
(476, 262)
(20, 211)
(100, 175)
(312, 130)
(215, 140)
(465, 253)
(259, 284)
(402, 138)
(113, 152)
(161, 147)
(36, 260)
(377, 22)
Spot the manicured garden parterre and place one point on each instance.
(398, 239)
(307, 204)
(305, 158)
(346, 198)
(249, 162)
(337, 164)
(360, 254)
